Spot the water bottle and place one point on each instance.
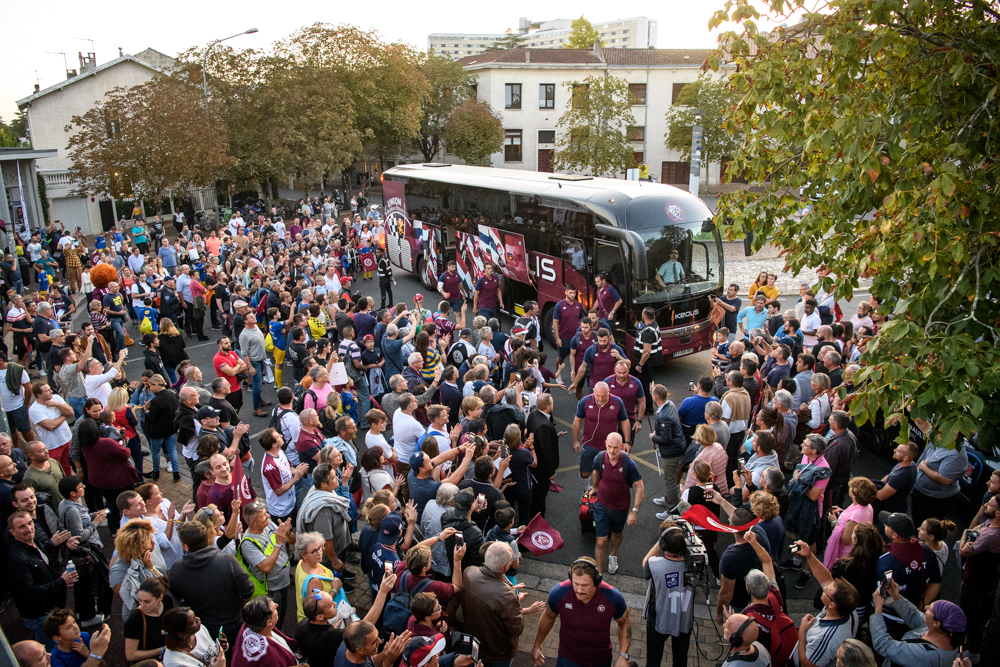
(70, 568)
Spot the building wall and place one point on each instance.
(530, 119)
(634, 33)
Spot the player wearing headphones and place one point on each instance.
(744, 649)
(586, 605)
(670, 604)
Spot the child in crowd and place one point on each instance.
(426, 619)
(107, 429)
(377, 422)
(72, 647)
(720, 353)
(504, 531)
(349, 400)
(145, 311)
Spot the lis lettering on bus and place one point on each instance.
(544, 268)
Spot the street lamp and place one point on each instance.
(204, 59)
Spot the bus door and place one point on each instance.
(608, 258)
(577, 264)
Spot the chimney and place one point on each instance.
(87, 63)
(37, 88)
(70, 73)
(597, 50)
(527, 56)
(120, 52)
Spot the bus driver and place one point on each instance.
(670, 271)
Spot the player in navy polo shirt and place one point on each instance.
(586, 605)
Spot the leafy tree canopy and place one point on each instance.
(883, 113)
(593, 127)
(582, 35)
(511, 40)
(449, 85)
(474, 132)
(714, 99)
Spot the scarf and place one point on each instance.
(317, 500)
(15, 372)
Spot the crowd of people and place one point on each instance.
(412, 444)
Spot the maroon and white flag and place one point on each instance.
(540, 538)
(702, 517)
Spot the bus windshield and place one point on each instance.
(683, 258)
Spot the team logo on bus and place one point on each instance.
(675, 212)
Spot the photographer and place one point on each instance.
(670, 607)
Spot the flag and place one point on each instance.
(367, 261)
(540, 538)
(702, 517)
(242, 488)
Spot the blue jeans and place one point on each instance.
(118, 325)
(36, 625)
(77, 405)
(256, 382)
(135, 446)
(364, 402)
(167, 443)
(19, 286)
(489, 312)
(171, 374)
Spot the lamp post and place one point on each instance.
(204, 59)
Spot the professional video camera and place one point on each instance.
(695, 556)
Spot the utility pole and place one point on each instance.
(695, 178)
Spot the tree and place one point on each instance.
(474, 132)
(882, 113)
(449, 86)
(511, 40)
(594, 126)
(583, 35)
(148, 141)
(714, 100)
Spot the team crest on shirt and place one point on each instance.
(600, 609)
(569, 605)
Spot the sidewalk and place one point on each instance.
(743, 270)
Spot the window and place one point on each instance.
(635, 132)
(475, 89)
(578, 138)
(512, 95)
(546, 96)
(638, 91)
(512, 145)
(637, 156)
(675, 173)
(546, 136)
(678, 87)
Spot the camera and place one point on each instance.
(696, 557)
(463, 644)
(794, 549)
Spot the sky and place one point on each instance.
(61, 26)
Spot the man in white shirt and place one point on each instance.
(136, 261)
(98, 383)
(49, 413)
(811, 322)
(235, 223)
(279, 229)
(278, 477)
(406, 431)
(185, 296)
(14, 404)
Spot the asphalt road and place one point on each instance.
(563, 508)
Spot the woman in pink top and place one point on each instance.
(712, 453)
(862, 492)
(321, 388)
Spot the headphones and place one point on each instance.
(586, 560)
(736, 639)
(663, 537)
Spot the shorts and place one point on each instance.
(608, 521)
(18, 419)
(564, 349)
(587, 456)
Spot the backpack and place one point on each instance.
(397, 611)
(146, 326)
(784, 636)
(275, 422)
(299, 404)
(459, 353)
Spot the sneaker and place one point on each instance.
(662, 515)
(346, 587)
(790, 564)
(177, 477)
(661, 501)
(97, 620)
(347, 575)
(804, 578)
(612, 564)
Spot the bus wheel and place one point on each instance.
(547, 326)
(422, 274)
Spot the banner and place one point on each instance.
(242, 488)
(540, 538)
(702, 517)
(367, 261)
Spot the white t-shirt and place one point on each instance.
(99, 387)
(10, 401)
(52, 439)
(275, 473)
(279, 229)
(810, 323)
(35, 252)
(372, 440)
(179, 217)
(290, 428)
(406, 431)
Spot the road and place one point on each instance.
(563, 508)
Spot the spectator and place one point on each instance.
(894, 489)
(492, 606)
(326, 512)
(160, 427)
(692, 409)
(361, 644)
(459, 517)
(671, 613)
(498, 413)
(143, 637)
(73, 647)
(188, 642)
(417, 566)
(776, 631)
(228, 366)
(262, 554)
(806, 498)
(668, 437)
(277, 476)
(72, 368)
(50, 414)
(15, 393)
(111, 472)
(981, 556)
(841, 453)
(861, 491)
(254, 357)
(860, 566)
(936, 490)
(920, 585)
(423, 487)
(260, 641)
(736, 561)
(741, 632)
(320, 641)
(934, 638)
(42, 473)
(712, 453)
(736, 407)
(98, 382)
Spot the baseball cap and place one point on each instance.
(368, 337)
(390, 528)
(418, 297)
(900, 523)
(239, 303)
(949, 615)
(465, 333)
(416, 461)
(463, 501)
(419, 650)
(207, 412)
(518, 330)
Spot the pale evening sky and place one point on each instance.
(59, 25)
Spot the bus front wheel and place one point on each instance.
(547, 321)
(422, 274)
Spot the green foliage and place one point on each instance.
(714, 98)
(592, 136)
(582, 35)
(43, 196)
(474, 132)
(511, 40)
(883, 113)
(449, 86)
(11, 132)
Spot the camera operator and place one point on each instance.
(670, 604)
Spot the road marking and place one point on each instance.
(193, 347)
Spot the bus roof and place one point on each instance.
(573, 187)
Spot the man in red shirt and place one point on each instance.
(565, 321)
(629, 389)
(228, 365)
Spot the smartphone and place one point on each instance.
(971, 536)
(388, 568)
(691, 387)
(481, 499)
(743, 465)
(709, 486)
(886, 583)
(459, 540)
(794, 549)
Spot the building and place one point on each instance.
(48, 113)
(528, 88)
(633, 33)
(20, 205)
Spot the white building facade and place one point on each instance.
(633, 33)
(527, 87)
(48, 113)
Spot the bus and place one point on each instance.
(544, 231)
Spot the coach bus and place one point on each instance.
(544, 231)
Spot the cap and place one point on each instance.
(374, 207)
(418, 297)
(417, 461)
(900, 523)
(390, 528)
(949, 615)
(239, 303)
(464, 500)
(367, 337)
(465, 333)
(518, 330)
(207, 412)
(419, 650)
